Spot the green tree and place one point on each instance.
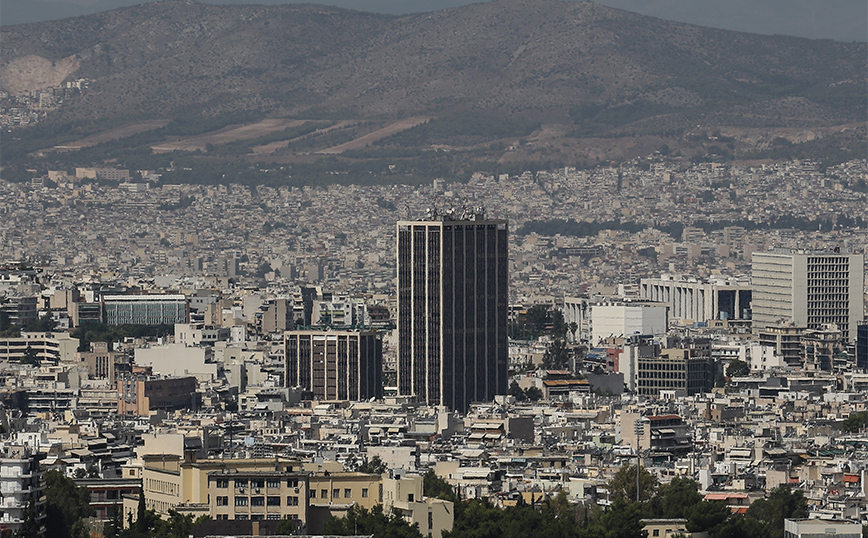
(623, 520)
(533, 394)
(44, 324)
(737, 368)
(287, 526)
(479, 519)
(30, 527)
(706, 516)
(515, 390)
(375, 466)
(782, 502)
(556, 356)
(115, 524)
(360, 521)
(855, 422)
(434, 486)
(623, 484)
(30, 356)
(738, 526)
(66, 505)
(675, 499)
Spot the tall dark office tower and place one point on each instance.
(452, 309)
(862, 345)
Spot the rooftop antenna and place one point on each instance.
(407, 207)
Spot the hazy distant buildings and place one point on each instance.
(452, 309)
(808, 288)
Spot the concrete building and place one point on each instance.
(145, 309)
(687, 371)
(99, 361)
(624, 319)
(21, 486)
(699, 300)
(57, 347)
(176, 360)
(808, 288)
(20, 311)
(254, 495)
(197, 334)
(335, 365)
(811, 528)
(139, 395)
(452, 309)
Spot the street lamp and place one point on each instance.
(639, 430)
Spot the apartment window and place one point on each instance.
(348, 493)
(241, 501)
(272, 483)
(410, 497)
(222, 483)
(292, 501)
(324, 493)
(257, 517)
(272, 517)
(364, 492)
(241, 517)
(222, 501)
(258, 483)
(240, 483)
(257, 501)
(292, 483)
(336, 493)
(313, 494)
(273, 501)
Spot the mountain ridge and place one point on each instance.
(581, 68)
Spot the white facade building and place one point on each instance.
(624, 319)
(20, 485)
(808, 289)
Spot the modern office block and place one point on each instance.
(335, 365)
(808, 288)
(620, 319)
(699, 300)
(145, 309)
(862, 346)
(452, 309)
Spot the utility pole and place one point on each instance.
(639, 430)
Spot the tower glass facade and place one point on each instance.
(452, 310)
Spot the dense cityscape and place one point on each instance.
(189, 354)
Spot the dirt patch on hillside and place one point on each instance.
(365, 140)
(274, 147)
(229, 134)
(114, 134)
(30, 73)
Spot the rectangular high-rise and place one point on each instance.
(335, 365)
(452, 309)
(808, 289)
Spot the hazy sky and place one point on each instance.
(841, 20)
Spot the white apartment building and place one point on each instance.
(20, 485)
(808, 289)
